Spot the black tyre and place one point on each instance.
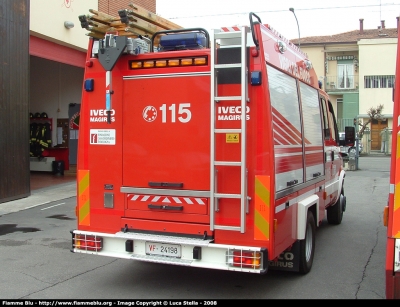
(307, 246)
(334, 213)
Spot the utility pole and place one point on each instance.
(357, 141)
(298, 28)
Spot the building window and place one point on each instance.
(345, 76)
(385, 81)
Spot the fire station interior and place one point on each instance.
(55, 93)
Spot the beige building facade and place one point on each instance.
(357, 70)
(57, 21)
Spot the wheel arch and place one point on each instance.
(312, 203)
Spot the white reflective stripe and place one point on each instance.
(167, 199)
(188, 201)
(295, 200)
(391, 188)
(177, 200)
(280, 208)
(200, 201)
(230, 29)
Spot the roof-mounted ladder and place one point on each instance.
(235, 39)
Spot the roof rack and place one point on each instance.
(135, 21)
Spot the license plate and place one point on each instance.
(169, 250)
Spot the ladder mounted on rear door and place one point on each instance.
(234, 39)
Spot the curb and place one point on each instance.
(40, 197)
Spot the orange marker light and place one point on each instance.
(161, 63)
(200, 61)
(174, 62)
(148, 64)
(136, 64)
(187, 62)
(386, 216)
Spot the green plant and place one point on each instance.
(373, 113)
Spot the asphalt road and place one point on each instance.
(349, 261)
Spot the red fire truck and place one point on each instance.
(392, 211)
(210, 149)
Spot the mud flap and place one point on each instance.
(289, 260)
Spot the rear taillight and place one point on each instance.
(245, 259)
(88, 242)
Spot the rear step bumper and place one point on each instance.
(192, 252)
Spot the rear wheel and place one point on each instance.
(307, 245)
(335, 213)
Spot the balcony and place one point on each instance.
(341, 84)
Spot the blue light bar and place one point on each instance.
(182, 41)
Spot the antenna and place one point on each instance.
(298, 28)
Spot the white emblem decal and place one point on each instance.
(149, 114)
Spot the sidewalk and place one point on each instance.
(40, 197)
(375, 153)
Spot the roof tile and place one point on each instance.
(348, 37)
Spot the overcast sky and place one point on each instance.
(315, 18)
